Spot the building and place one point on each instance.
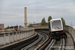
(13, 27)
(36, 24)
(1, 26)
(20, 26)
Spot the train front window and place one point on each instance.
(56, 24)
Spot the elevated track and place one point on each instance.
(43, 41)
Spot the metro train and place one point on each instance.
(56, 28)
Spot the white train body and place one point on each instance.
(56, 28)
(56, 25)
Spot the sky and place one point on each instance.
(12, 11)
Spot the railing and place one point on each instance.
(12, 36)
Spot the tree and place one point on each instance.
(30, 25)
(49, 18)
(43, 22)
(0, 29)
(7, 27)
(63, 21)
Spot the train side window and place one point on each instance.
(20, 31)
(24, 31)
(14, 33)
(17, 32)
(6, 34)
(10, 33)
(1, 35)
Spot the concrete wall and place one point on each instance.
(70, 30)
(13, 36)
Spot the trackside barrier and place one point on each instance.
(71, 30)
(11, 36)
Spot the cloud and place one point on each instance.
(12, 12)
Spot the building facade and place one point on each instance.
(1, 26)
(36, 24)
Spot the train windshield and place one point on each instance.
(56, 24)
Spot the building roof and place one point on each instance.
(1, 24)
(36, 23)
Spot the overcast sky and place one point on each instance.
(12, 11)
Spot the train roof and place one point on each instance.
(55, 19)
